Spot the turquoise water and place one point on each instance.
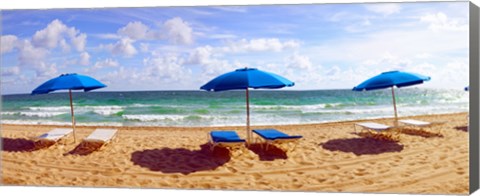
(201, 108)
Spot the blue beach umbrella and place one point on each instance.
(243, 79)
(69, 82)
(389, 80)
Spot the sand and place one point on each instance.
(329, 158)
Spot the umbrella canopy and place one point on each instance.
(247, 78)
(389, 80)
(69, 82)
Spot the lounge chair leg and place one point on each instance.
(212, 147)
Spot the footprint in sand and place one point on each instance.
(406, 174)
(334, 167)
(359, 173)
(231, 169)
(257, 176)
(443, 157)
(93, 172)
(460, 171)
(299, 173)
(437, 166)
(368, 182)
(394, 164)
(297, 185)
(321, 180)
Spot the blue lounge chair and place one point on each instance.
(271, 136)
(225, 139)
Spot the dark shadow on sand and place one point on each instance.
(462, 128)
(85, 148)
(419, 132)
(23, 145)
(270, 154)
(362, 146)
(181, 160)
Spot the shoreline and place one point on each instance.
(329, 158)
(235, 126)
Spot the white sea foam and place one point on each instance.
(152, 117)
(41, 114)
(104, 110)
(9, 113)
(34, 122)
(51, 109)
(296, 107)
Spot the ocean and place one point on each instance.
(201, 108)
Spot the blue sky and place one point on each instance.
(323, 46)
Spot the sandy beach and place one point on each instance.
(329, 158)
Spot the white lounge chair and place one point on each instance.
(372, 126)
(102, 136)
(54, 135)
(418, 123)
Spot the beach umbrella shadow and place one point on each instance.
(181, 160)
(22, 145)
(462, 128)
(362, 146)
(271, 154)
(85, 148)
(419, 132)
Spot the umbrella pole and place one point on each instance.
(73, 115)
(248, 117)
(395, 107)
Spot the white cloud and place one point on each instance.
(201, 55)
(84, 58)
(29, 54)
(262, 44)
(55, 34)
(299, 62)
(10, 71)
(45, 70)
(440, 21)
(177, 31)
(134, 30)
(64, 45)
(388, 62)
(79, 42)
(384, 8)
(8, 43)
(215, 67)
(167, 68)
(122, 47)
(106, 63)
(403, 43)
(50, 36)
(107, 36)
